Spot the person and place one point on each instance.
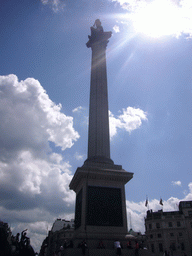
(117, 246)
(101, 245)
(24, 238)
(71, 244)
(129, 245)
(83, 247)
(136, 248)
(29, 249)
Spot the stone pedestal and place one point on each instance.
(100, 212)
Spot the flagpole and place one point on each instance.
(147, 203)
(161, 203)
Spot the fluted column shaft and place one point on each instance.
(98, 140)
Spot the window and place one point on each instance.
(152, 248)
(182, 246)
(190, 213)
(170, 224)
(150, 226)
(159, 235)
(151, 236)
(173, 247)
(191, 224)
(171, 234)
(178, 223)
(157, 225)
(180, 234)
(161, 247)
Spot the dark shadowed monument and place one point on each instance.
(100, 212)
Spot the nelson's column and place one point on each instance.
(100, 211)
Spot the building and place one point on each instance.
(170, 231)
(60, 235)
(62, 223)
(5, 238)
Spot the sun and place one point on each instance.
(157, 18)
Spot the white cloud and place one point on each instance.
(116, 29)
(56, 5)
(129, 120)
(34, 180)
(114, 123)
(77, 110)
(79, 156)
(29, 117)
(189, 195)
(176, 183)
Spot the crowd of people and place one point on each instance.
(21, 245)
(118, 247)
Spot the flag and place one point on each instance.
(161, 201)
(146, 202)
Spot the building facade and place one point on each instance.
(62, 223)
(170, 231)
(60, 236)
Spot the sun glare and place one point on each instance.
(157, 18)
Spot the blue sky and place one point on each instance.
(44, 92)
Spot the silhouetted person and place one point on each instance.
(71, 244)
(83, 247)
(101, 245)
(136, 248)
(28, 249)
(117, 246)
(24, 238)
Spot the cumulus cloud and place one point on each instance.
(129, 120)
(176, 183)
(56, 5)
(34, 180)
(30, 119)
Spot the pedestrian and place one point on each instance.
(83, 247)
(117, 246)
(136, 248)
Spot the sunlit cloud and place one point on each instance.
(130, 119)
(79, 156)
(34, 180)
(176, 183)
(116, 29)
(77, 109)
(159, 17)
(56, 5)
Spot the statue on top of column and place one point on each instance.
(97, 34)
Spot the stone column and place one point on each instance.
(100, 211)
(98, 138)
